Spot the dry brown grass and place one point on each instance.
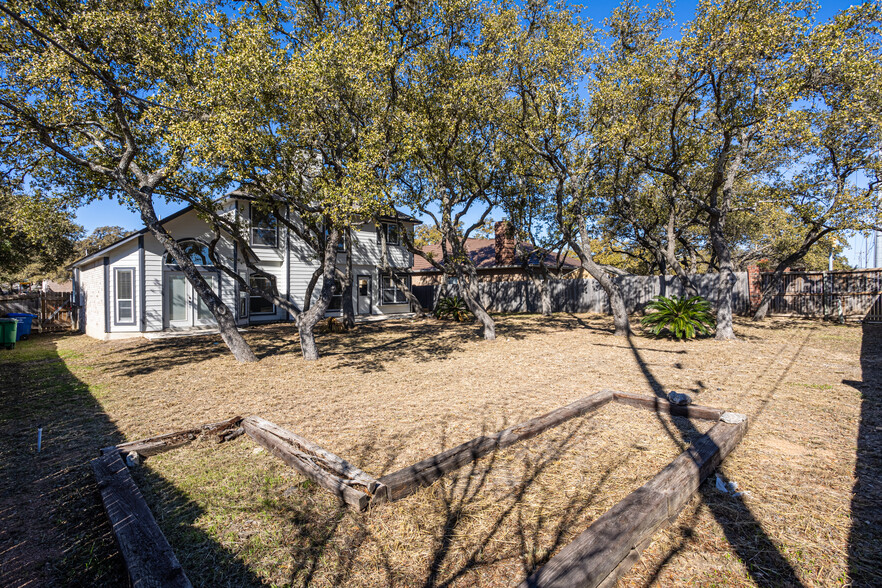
(392, 393)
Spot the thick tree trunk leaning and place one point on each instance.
(467, 287)
(613, 292)
(226, 322)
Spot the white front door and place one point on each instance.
(363, 292)
(184, 308)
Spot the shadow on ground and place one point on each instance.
(864, 555)
(766, 565)
(53, 528)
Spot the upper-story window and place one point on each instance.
(196, 251)
(264, 228)
(341, 244)
(391, 231)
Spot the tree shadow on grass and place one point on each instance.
(54, 530)
(367, 348)
(864, 556)
(766, 565)
(522, 525)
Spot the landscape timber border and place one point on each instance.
(596, 558)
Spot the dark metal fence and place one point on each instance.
(854, 293)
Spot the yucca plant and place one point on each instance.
(452, 307)
(682, 317)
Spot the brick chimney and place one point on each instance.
(755, 290)
(505, 243)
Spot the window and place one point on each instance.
(196, 251)
(391, 230)
(125, 296)
(341, 244)
(264, 228)
(391, 293)
(336, 302)
(258, 304)
(243, 304)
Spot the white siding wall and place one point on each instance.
(303, 264)
(153, 263)
(92, 297)
(366, 250)
(125, 257)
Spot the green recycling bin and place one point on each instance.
(8, 328)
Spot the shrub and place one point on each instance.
(683, 318)
(452, 307)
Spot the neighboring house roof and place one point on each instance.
(483, 255)
(53, 286)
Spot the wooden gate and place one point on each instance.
(855, 293)
(53, 309)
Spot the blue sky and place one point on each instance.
(110, 212)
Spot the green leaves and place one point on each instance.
(452, 308)
(680, 318)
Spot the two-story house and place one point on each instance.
(134, 287)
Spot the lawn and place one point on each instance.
(392, 393)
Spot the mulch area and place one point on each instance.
(392, 393)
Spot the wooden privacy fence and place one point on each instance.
(855, 293)
(588, 296)
(52, 308)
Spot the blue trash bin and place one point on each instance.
(24, 324)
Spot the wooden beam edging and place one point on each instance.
(350, 484)
(661, 405)
(224, 430)
(408, 480)
(612, 544)
(149, 558)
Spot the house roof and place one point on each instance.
(483, 254)
(127, 238)
(131, 236)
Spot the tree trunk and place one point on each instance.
(468, 290)
(613, 292)
(662, 274)
(348, 310)
(226, 323)
(310, 287)
(310, 318)
(726, 284)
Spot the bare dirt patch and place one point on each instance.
(392, 393)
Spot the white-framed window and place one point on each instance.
(391, 231)
(264, 228)
(391, 294)
(124, 295)
(258, 304)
